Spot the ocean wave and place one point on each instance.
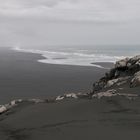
(80, 58)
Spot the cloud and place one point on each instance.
(76, 10)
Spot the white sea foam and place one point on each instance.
(81, 58)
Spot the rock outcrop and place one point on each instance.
(112, 93)
(117, 81)
(6, 107)
(72, 96)
(125, 71)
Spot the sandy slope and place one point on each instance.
(109, 118)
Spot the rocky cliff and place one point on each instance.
(124, 77)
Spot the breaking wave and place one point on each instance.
(78, 57)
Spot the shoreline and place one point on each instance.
(100, 64)
(21, 76)
(110, 114)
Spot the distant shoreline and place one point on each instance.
(73, 58)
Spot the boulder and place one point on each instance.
(112, 93)
(13, 103)
(118, 81)
(134, 59)
(121, 83)
(108, 93)
(137, 74)
(59, 98)
(99, 85)
(123, 68)
(2, 109)
(71, 95)
(121, 63)
(136, 80)
(138, 62)
(111, 83)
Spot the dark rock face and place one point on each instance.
(125, 70)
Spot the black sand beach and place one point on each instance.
(108, 118)
(105, 119)
(21, 76)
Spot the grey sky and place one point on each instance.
(69, 22)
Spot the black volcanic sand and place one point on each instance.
(21, 76)
(113, 118)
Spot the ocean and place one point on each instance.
(81, 55)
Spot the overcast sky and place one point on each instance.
(69, 22)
